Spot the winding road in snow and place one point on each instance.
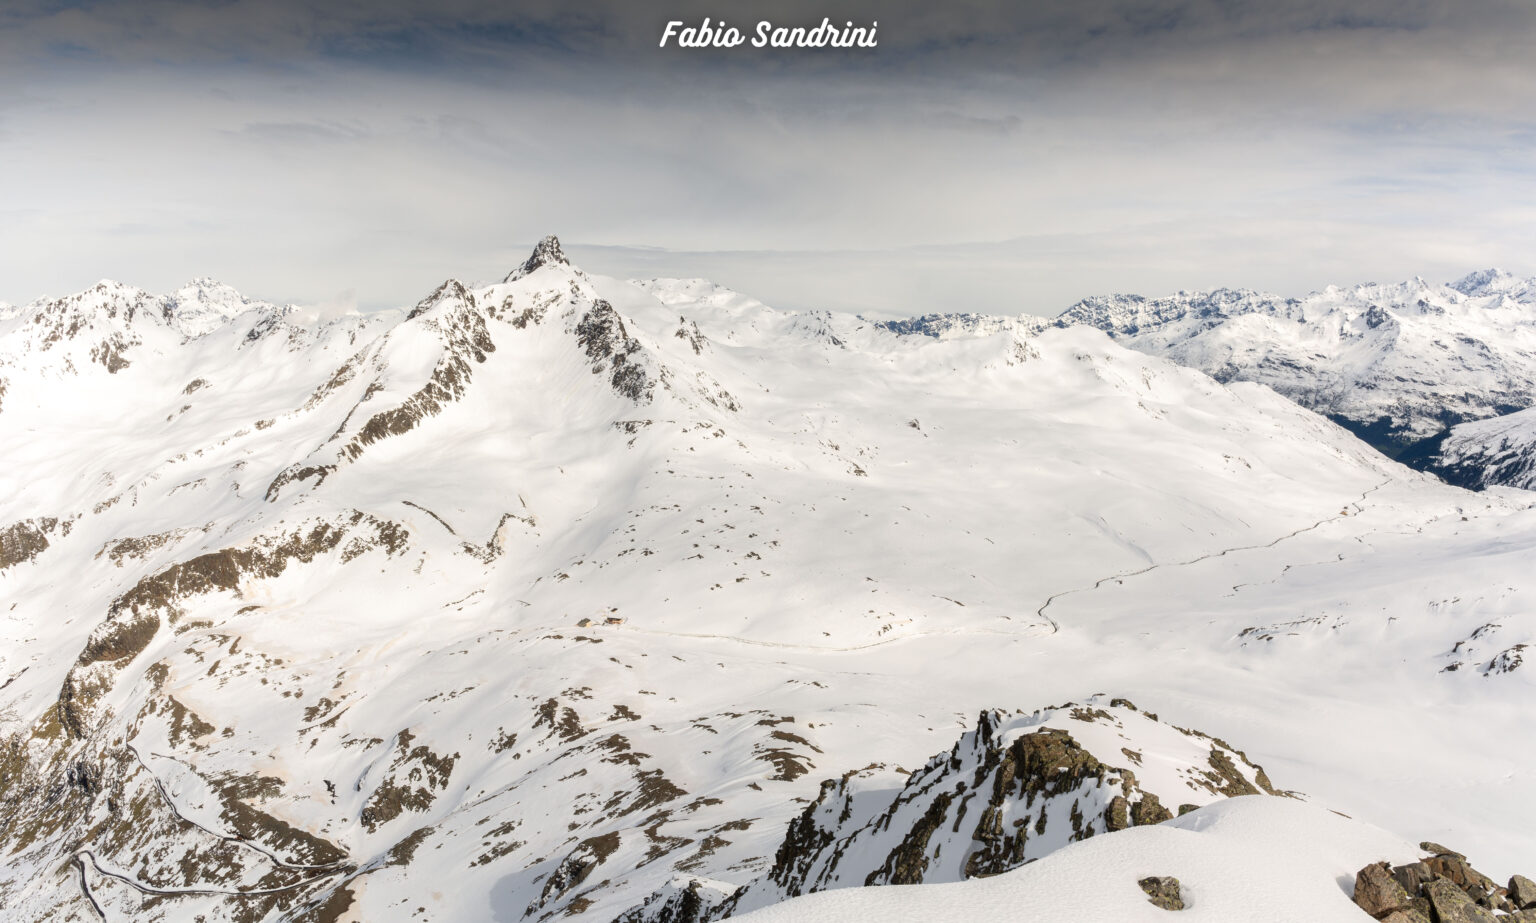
(1056, 627)
(326, 871)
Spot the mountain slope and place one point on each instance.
(1484, 453)
(539, 596)
(1396, 364)
(1247, 859)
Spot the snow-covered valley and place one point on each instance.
(562, 596)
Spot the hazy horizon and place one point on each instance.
(851, 288)
(989, 157)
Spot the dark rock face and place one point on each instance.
(1377, 892)
(1476, 458)
(608, 345)
(1435, 849)
(1522, 892)
(689, 331)
(415, 776)
(25, 540)
(466, 342)
(109, 353)
(1376, 316)
(1015, 789)
(1163, 892)
(451, 316)
(1462, 875)
(298, 472)
(908, 862)
(546, 252)
(677, 903)
(575, 868)
(119, 640)
(1412, 876)
(1450, 904)
(1442, 888)
(84, 778)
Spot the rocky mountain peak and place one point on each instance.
(451, 290)
(105, 299)
(203, 305)
(206, 288)
(546, 252)
(1491, 281)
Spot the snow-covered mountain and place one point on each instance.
(1396, 364)
(1500, 450)
(569, 596)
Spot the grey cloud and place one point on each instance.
(986, 154)
(968, 32)
(302, 132)
(961, 122)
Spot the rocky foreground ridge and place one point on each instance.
(1016, 788)
(1442, 888)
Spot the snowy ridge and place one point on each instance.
(552, 597)
(1485, 453)
(1015, 789)
(1496, 282)
(203, 305)
(1243, 860)
(948, 326)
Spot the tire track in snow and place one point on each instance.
(820, 648)
(1056, 627)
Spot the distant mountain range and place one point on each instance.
(1408, 367)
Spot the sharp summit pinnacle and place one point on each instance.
(546, 252)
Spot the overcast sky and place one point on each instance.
(992, 156)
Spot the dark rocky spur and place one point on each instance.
(1442, 888)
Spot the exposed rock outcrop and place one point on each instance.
(575, 868)
(22, 541)
(451, 313)
(1016, 788)
(546, 252)
(134, 618)
(1440, 888)
(1163, 892)
(683, 900)
(610, 348)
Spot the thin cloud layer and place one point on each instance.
(1010, 156)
